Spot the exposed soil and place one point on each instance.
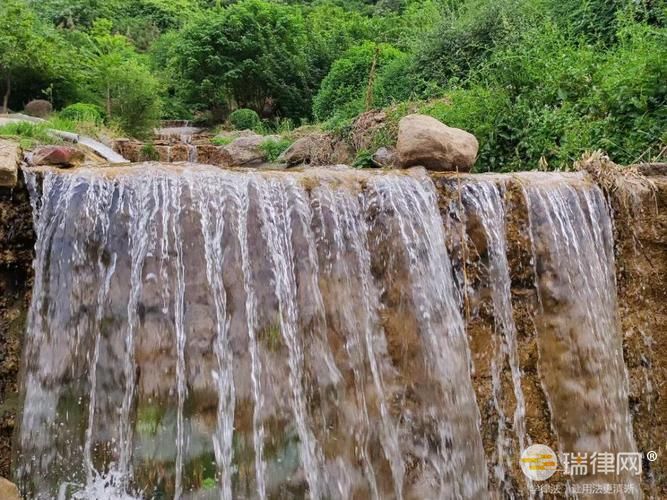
(16, 250)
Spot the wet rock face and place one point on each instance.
(640, 214)
(559, 347)
(277, 325)
(425, 141)
(16, 244)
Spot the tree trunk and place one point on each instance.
(8, 91)
(108, 101)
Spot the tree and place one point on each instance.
(118, 79)
(23, 44)
(251, 54)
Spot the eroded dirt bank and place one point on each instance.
(16, 247)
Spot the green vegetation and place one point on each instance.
(243, 119)
(535, 80)
(273, 149)
(82, 112)
(28, 134)
(149, 153)
(222, 140)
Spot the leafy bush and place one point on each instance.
(363, 159)
(136, 107)
(273, 149)
(344, 90)
(243, 119)
(82, 112)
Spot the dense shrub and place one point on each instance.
(252, 54)
(272, 149)
(243, 119)
(82, 112)
(344, 90)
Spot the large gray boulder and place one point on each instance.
(425, 141)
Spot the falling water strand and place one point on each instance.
(256, 369)
(212, 227)
(275, 214)
(140, 215)
(486, 204)
(107, 271)
(462, 471)
(179, 302)
(346, 229)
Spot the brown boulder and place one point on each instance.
(425, 141)
(9, 160)
(8, 490)
(245, 150)
(304, 150)
(62, 156)
(39, 108)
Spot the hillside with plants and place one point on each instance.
(538, 82)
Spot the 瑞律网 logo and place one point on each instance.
(539, 462)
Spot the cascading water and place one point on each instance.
(203, 333)
(484, 203)
(580, 346)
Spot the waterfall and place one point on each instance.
(247, 334)
(580, 344)
(485, 208)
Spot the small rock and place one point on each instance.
(425, 141)
(9, 160)
(39, 108)
(62, 156)
(384, 158)
(8, 490)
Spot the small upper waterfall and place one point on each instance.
(200, 333)
(239, 334)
